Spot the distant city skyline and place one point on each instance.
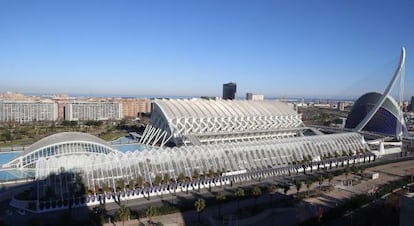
(312, 49)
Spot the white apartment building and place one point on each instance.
(82, 111)
(28, 111)
(251, 96)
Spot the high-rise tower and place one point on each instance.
(229, 91)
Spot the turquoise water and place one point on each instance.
(5, 157)
(15, 174)
(125, 144)
(129, 147)
(123, 140)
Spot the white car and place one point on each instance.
(21, 212)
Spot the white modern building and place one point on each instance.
(257, 97)
(83, 111)
(99, 163)
(28, 111)
(197, 121)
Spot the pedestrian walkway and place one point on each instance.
(290, 216)
(387, 173)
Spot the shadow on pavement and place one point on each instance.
(56, 200)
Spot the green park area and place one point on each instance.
(17, 135)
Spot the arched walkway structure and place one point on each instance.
(232, 158)
(61, 144)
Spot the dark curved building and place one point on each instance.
(385, 121)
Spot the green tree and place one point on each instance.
(256, 192)
(361, 171)
(150, 212)
(181, 177)
(167, 178)
(354, 170)
(196, 174)
(308, 185)
(220, 197)
(6, 135)
(131, 184)
(105, 189)
(157, 180)
(298, 185)
(239, 193)
(320, 181)
(123, 213)
(52, 127)
(210, 173)
(330, 178)
(120, 184)
(200, 205)
(346, 172)
(140, 182)
(271, 189)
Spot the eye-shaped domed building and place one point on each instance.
(387, 119)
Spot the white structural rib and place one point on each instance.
(387, 91)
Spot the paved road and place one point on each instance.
(289, 216)
(304, 210)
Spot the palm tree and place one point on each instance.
(308, 185)
(271, 189)
(286, 188)
(239, 193)
(106, 190)
(150, 212)
(140, 182)
(354, 169)
(167, 178)
(105, 187)
(346, 171)
(220, 197)
(330, 178)
(200, 205)
(181, 177)
(256, 192)
(361, 171)
(123, 213)
(196, 174)
(131, 184)
(210, 173)
(120, 184)
(298, 185)
(157, 180)
(320, 181)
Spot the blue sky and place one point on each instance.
(325, 49)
